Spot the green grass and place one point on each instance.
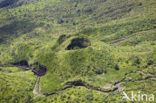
(16, 86)
(122, 35)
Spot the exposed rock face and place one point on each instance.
(78, 43)
(38, 69)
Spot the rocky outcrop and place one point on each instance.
(38, 69)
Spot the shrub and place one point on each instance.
(136, 61)
(116, 67)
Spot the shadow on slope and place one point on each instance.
(12, 30)
(6, 3)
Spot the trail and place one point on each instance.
(122, 39)
(25, 67)
(127, 37)
(37, 89)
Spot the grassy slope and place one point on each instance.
(122, 33)
(16, 85)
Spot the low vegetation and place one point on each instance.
(87, 45)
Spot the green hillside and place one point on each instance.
(82, 51)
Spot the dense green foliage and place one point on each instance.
(123, 47)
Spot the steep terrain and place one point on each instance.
(85, 51)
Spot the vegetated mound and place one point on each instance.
(78, 43)
(38, 69)
(64, 65)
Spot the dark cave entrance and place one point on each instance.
(78, 43)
